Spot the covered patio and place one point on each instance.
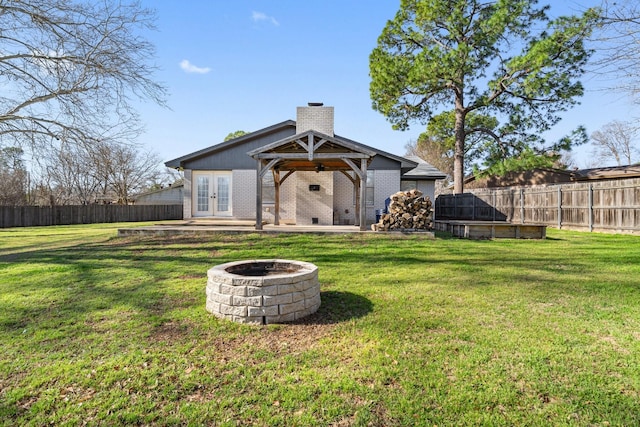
(312, 151)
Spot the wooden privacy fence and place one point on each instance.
(29, 216)
(609, 206)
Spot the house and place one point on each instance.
(547, 176)
(606, 173)
(538, 176)
(297, 172)
(170, 195)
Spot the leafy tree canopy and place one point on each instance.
(437, 143)
(504, 59)
(235, 134)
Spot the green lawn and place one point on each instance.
(97, 329)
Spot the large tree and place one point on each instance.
(69, 70)
(617, 45)
(437, 143)
(13, 177)
(616, 141)
(99, 172)
(505, 59)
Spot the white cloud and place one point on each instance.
(259, 16)
(188, 67)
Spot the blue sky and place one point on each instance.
(247, 64)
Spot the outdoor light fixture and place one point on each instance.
(319, 167)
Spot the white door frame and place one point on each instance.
(211, 193)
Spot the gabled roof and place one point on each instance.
(176, 163)
(330, 144)
(169, 187)
(614, 172)
(424, 170)
(313, 150)
(406, 164)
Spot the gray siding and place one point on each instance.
(166, 196)
(235, 157)
(186, 206)
(428, 188)
(380, 162)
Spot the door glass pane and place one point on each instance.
(370, 193)
(223, 194)
(203, 193)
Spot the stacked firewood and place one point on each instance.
(408, 210)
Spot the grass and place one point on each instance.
(96, 329)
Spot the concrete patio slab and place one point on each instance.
(246, 227)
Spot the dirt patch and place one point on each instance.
(169, 332)
(281, 340)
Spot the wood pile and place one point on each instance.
(408, 210)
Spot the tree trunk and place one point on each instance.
(458, 158)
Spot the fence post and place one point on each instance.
(455, 206)
(495, 201)
(473, 207)
(522, 206)
(559, 207)
(591, 207)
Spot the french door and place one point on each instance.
(211, 194)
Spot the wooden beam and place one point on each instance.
(356, 187)
(287, 175)
(355, 168)
(268, 167)
(351, 178)
(340, 142)
(259, 196)
(319, 144)
(303, 145)
(310, 147)
(276, 181)
(363, 195)
(293, 156)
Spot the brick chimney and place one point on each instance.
(315, 116)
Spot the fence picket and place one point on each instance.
(29, 216)
(612, 206)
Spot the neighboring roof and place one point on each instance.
(160, 190)
(542, 176)
(424, 170)
(614, 172)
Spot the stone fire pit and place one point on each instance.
(263, 291)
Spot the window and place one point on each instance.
(268, 188)
(370, 188)
(202, 196)
(408, 185)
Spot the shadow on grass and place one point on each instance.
(337, 307)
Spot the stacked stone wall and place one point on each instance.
(263, 300)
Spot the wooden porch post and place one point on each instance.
(363, 195)
(259, 196)
(356, 186)
(276, 182)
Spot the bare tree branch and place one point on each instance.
(616, 141)
(70, 69)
